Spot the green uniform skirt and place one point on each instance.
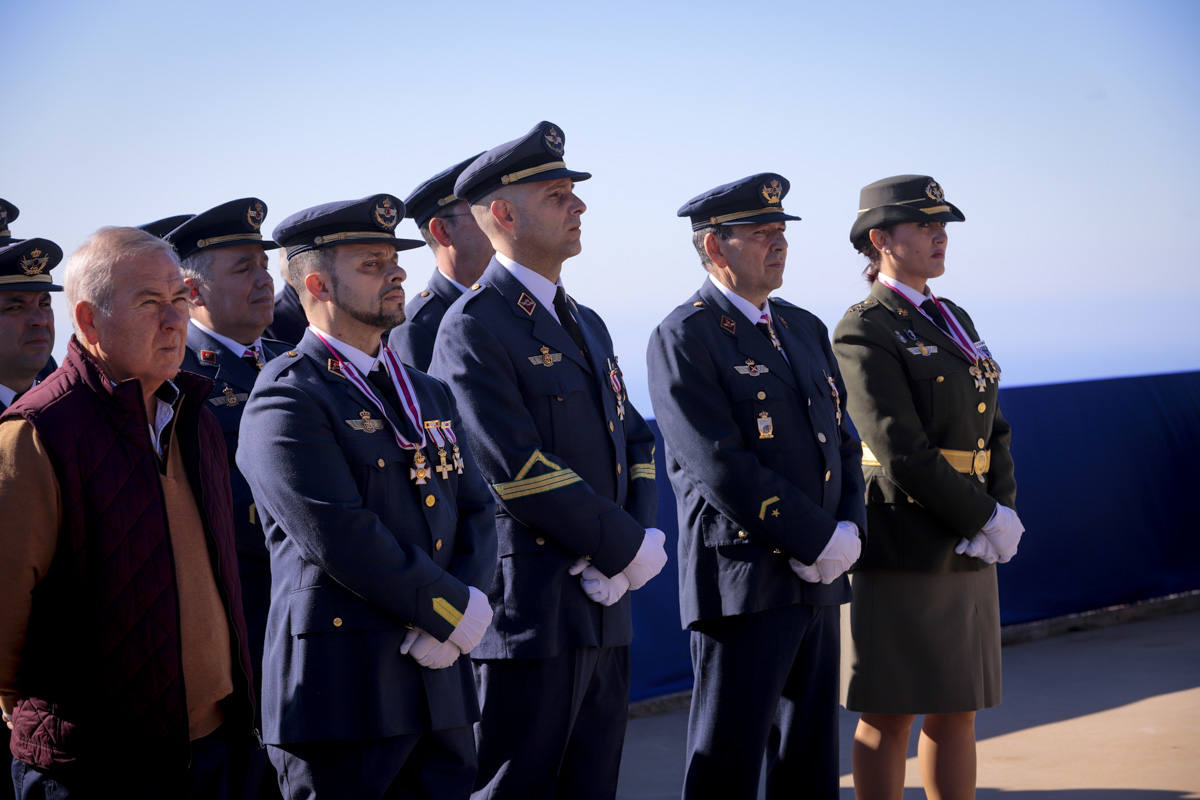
(921, 643)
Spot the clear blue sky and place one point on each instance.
(1068, 133)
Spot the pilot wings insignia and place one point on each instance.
(365, 423)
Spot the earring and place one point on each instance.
(887, 250)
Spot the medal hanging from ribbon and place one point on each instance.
(615, 383)
(448, 432)
(404, 390)
(435, 433)
(837, 397)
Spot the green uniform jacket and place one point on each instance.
(909, 394)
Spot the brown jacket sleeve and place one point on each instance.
(31, 508)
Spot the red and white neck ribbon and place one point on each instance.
(957, 334)
(404, 390)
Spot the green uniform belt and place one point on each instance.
(968, 462)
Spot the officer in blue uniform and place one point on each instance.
(223, 258)
(461, 252)
(767, 476)
(26, 319)
(571, 461)
(9, 212)
(379, 529)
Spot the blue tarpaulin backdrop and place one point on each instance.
(1107, 472)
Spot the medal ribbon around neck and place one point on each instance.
(404, 390)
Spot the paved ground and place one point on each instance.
(1107, 714)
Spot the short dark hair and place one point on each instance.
(301, 264)
(722, 232)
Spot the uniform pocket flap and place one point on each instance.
(331, 609)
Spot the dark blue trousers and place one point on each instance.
(552, 727)
(439, 765)
(217, 772)
(765, 683)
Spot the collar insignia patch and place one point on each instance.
(526, 303)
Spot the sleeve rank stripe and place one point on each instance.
(642, 471)
(536, 458)
(442, 607)
(542, 483)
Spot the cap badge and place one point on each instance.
(554, 141)
(385, 214)
(34, 262)
(934, 192)
(772, 191)
(255, 215)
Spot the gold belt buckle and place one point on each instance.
(981, 461)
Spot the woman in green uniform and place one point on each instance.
(922, 388)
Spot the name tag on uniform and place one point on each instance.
(923, 349)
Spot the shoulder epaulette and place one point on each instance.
(864, 305)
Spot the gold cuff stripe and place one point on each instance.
(447, 200)
(762, 510)
(442, 607)
(229, 238)
(337, 237)
(642, 471)
(968, 462)
(5, 232)
(538, 485)
(536, 458)
(24, 279)
(744, 214)
(525, 173)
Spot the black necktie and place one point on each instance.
(935, 314)
(563, 309)
(382, 382)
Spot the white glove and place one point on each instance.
(804, 572)
(1004, 531)
(474, 623)
(428, 651)
(978, 546)
(602, 590)
(840, 553)
(650, 559)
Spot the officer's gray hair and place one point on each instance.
(89, 272)
(198, 265)
(722, 232)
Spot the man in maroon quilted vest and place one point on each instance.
(124, 670)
